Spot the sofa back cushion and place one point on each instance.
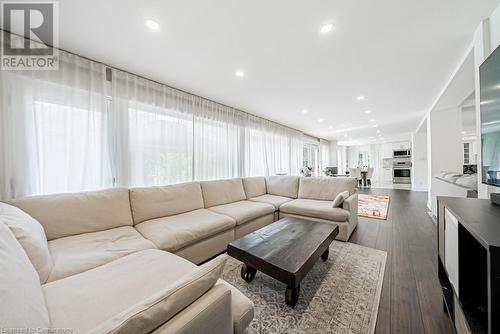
(63, 215)
(325, 188)
(156, 202)
(222, 192)
(254, 186)
(287, 186)
(30, 234)
(22, 302)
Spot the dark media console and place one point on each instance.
(495, 199)
(469, 263)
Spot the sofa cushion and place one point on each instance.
(136, 293)
(254, 186)
(176, 232)
(155, 202)
(325, 188)
(222, 192)
(22, 301)
(30, 234)
(244, 211)
(287, 186)
(274, 200)
(69, 214)
(315, 208)
(78, 253)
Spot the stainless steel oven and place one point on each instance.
(401, 175)
(401, 171)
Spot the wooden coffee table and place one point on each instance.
(285, 250)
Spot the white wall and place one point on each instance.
(419, 157)
(446, 137)
(446, 142)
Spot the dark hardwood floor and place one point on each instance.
(411, 300)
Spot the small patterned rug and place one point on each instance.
(338, 296)
(373, 206)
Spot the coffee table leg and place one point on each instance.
(292, 295)
(247, 272)
(324, 256)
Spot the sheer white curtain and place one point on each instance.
(53, 134)
(324, 151)
(87, 127)
(271, 149)
(152, 132)
(165, 136)
(217, 141)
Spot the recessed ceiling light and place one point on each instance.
(320, 120)
(326, 28)
(331, 127)
(239, 74)
(345, 135)
(372, 120)
(380, 135)
(371, 137)
(368, 111)
(152, 25)
(375, 125)
(305, 111)
(360, 98)
(378, 131)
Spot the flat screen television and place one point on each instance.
(490, 119)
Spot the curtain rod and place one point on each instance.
(159, 83)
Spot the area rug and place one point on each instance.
(338, 296)
(373, 206)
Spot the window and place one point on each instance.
(311, 158)
(271, 152)
(217, 149)
(87, 127)
(71, 149)
(160, 146)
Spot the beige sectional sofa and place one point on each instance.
(126, 258)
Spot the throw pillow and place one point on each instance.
(340, 198)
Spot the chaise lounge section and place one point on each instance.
(314, 202)
(118, 255)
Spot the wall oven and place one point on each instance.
(401, 171)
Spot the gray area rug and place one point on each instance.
(338, 296)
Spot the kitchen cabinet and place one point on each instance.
(387, 151)
(387, 175)
(404, 145)
(470, 152)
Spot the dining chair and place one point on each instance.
(356, 172)
(369, 176)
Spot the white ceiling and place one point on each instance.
(397, 53)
